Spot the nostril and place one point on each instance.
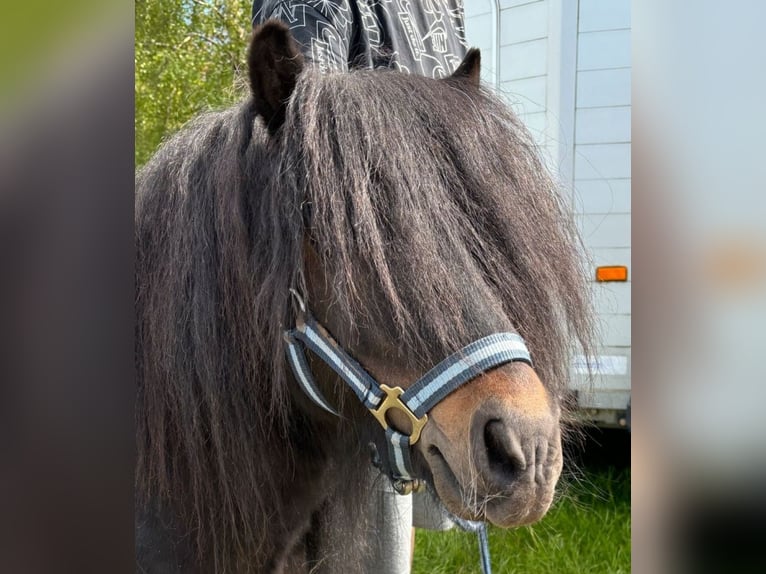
(504, 454)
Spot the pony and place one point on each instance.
(413, 216)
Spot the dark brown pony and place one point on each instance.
(416, 217)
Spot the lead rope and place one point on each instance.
(480, 529)
(486, 564)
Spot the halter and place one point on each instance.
(415, 402)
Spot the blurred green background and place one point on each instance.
(29, 33)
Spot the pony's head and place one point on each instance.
(425, 221)
(415, 217)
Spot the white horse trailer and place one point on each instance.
(564, 66)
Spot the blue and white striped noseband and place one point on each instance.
(415, 402)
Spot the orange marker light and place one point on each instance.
(612, 273)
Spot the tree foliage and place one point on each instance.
(189, 58)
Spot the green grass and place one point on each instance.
(586, 532)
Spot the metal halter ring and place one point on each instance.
(392, 401)
(405, 487)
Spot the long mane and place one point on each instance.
(428, 189)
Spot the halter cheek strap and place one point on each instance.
(415, 402)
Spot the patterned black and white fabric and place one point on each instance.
(425, 37)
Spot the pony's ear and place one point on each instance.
(274, 61)
(470, 67)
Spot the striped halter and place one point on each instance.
(415, 402)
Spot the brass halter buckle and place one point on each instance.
(392, 401)
(405, 487)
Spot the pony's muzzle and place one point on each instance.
(494, 448)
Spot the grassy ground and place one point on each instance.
(586, 532)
